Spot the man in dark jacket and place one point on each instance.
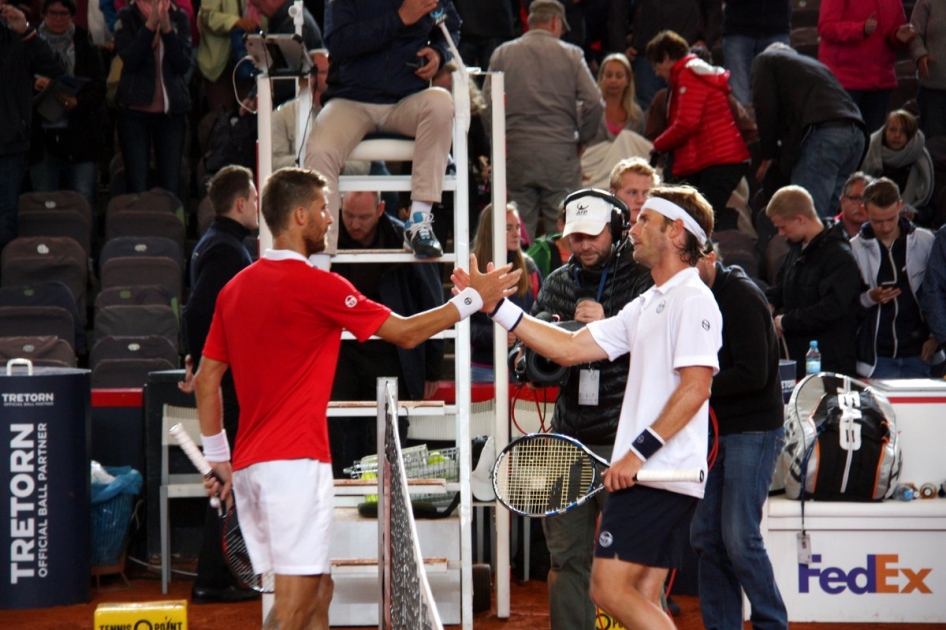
(384, 55)
(66, 155)
(807, 122)
(153, 101)
(22, 55)
(596, 282)
(893, 340)
(816, 294)
(219, 255)
(407, 289)
(747, 400)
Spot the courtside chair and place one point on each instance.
(175, 486)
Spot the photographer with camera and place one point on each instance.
(597, 281)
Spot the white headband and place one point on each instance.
(673, 212)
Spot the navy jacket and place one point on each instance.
(747, 391)
(370, 49)
(818, 293)
(218, 256)
(133, 43)
(19, 61)
(792, 92)
(84, 139)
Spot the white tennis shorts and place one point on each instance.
(285, 509)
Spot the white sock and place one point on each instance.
(421, 206)
(321, 261)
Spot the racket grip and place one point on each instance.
(190, 449)
(193, 453)
(695, 475)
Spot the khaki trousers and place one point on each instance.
(427, 116)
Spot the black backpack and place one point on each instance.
(841, 447)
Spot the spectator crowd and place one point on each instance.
(816, 134)
(784, 139)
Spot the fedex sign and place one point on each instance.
(881, 575)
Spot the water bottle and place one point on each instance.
(904, 492)
(813, 359)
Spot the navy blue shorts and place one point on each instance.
(646, 526)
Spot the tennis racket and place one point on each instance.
(234, 547)
(544, 474)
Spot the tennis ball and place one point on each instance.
(370, 498)
(435, 457)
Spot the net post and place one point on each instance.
(384, 511)
(501, 431)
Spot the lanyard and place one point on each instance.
(604, 277)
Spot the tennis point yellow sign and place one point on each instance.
(605, 622)
(166, 615)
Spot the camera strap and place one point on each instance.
(604, 277)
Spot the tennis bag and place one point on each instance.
(841, 447)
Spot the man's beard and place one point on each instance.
(314, 246)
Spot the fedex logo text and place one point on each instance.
(881, 575)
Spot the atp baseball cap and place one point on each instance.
(587, 215)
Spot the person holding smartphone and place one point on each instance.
(384, 55)
(22, 55)
(893, 341)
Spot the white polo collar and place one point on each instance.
(677, 279)
(284, 254)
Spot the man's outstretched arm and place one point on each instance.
(489, 288)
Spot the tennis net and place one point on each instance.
(407, 602)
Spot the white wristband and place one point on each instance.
(467, 301)
(216, 447)
(507, 314)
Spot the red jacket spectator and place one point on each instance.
(861, 61)
(702, 131)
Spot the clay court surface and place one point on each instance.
(529, 611)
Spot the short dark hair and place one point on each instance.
(690, 199)
(229, 184)
(667, 43)
(881, 193)
(70, 5)
(286, 190)
(855, 177)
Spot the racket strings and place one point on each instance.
(545, 475)
(234, 549)
(238, 557)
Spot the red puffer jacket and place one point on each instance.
(860, 62)
(701, 129)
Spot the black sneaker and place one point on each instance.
(419, 236)
(228, 595)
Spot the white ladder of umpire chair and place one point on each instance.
(391, 150)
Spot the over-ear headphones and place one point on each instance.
(620, 213)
